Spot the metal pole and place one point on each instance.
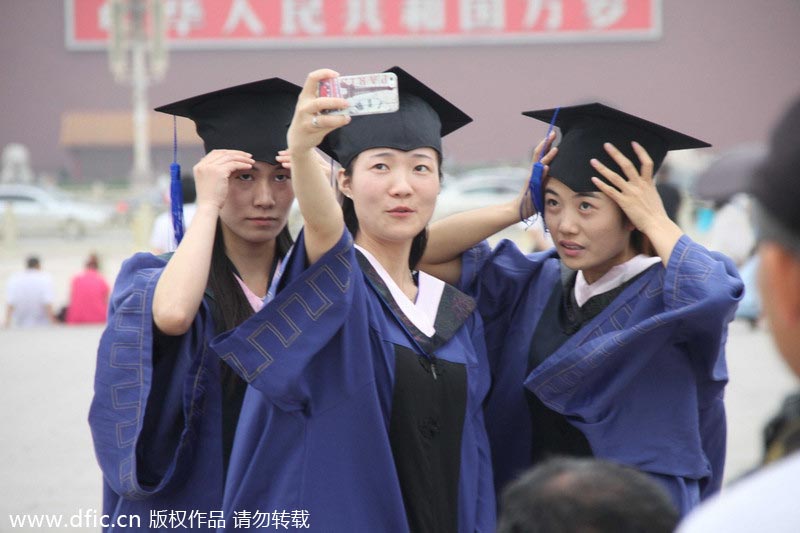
(137, 55)
(142, 174)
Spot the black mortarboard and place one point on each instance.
(253, 117)
(584, 129)
(423, 119)
(776, 182)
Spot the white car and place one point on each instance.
(49, 211)
(480, 188)
(491, 186)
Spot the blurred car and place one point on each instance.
(491, 186)
(154, 198)
(49, 211)
(480, 188)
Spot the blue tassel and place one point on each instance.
(535, 186)
(535, 182)
(175, 190)
(176, 200)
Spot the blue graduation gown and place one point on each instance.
(169, 462)
(643, 381)
(318, 423)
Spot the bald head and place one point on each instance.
(572, 495)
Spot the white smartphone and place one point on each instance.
(367, 94)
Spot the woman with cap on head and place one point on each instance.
(372, 375)
(618, 332)
(165, 407)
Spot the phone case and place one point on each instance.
(367, 94)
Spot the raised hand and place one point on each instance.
(212, 172)
(638, 198)
(309, 126)
(525, 199)
(284, 157)
(636, 193)
(324, 222)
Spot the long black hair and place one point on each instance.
(351, 219)
(229, 308)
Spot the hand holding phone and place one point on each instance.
(367, 94)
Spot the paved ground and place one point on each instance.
(48, 464)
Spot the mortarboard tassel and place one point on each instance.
(535, 181)
(175, 192)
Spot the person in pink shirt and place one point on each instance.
(88, 298)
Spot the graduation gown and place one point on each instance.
(356, 420)
(157, 413)
(643, 380)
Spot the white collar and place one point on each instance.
(422, 312)
(255, 301)
(612, 279)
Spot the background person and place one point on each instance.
(29, 297)
(162, 238)
(88, 295)
(732, 231)
(670, 194)
(579, 495)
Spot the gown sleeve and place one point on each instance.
(273, 349)
(147, 390)
(505, 282)
(486, 516)
(485, 277)
(510, 290)
(706, 288)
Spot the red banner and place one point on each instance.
(223, 24)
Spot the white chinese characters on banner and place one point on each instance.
(423, 15)
(220, 24)
(604, 13)
(363, 13)
(242, 13)
(104, 17)
(482, 14)
(303, 16)
(183, 16)
(533, 11)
